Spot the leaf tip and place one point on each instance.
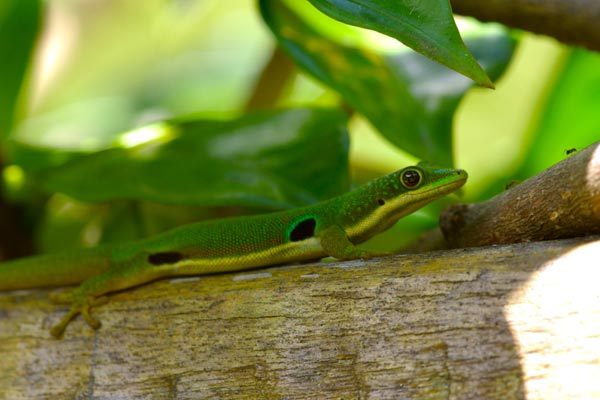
(487, 83)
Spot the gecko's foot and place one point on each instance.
(80, 304)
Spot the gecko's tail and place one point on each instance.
(53, 270)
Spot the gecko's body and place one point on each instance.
(330, 228)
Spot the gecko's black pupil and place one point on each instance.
(411, 178)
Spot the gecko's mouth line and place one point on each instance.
(449, 185)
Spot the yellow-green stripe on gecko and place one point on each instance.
(330, 228)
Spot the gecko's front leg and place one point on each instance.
(123, 274)
(80, 304)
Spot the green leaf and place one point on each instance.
(19, 26)
(408, 98)
(271, 160)
(426, 26)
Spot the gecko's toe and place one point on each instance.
(87, 315)
(59, 329)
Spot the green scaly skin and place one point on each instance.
(330, 228)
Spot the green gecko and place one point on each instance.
(330, 228)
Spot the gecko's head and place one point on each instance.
(400, 193)
(423, 181)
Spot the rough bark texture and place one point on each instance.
(486, 323)
(570, 21)
(560, 202)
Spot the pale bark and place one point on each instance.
(485, 323)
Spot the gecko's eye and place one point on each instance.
(411, 178)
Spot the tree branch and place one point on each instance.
(560, 202)
(573, 22)
(481, 323)
(272, 81)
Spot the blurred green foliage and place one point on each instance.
(401, 84)
(121, 119)
(19, 27)
(259, 160)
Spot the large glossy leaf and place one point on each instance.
(426, 26)
(19, 25)
(271, 160)
(407, 97)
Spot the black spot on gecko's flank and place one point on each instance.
(381, 202)
(167, 257)
(304, 230)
